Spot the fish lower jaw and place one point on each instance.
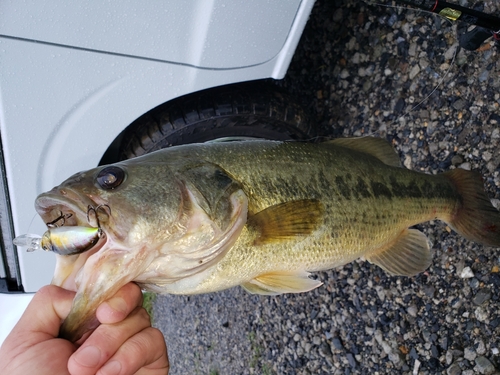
(69, 269)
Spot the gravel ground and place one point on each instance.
(397, 73)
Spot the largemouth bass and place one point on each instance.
(260, 214)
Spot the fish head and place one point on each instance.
(123, 201)
(160, 223)
(119, 199)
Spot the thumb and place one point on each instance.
(43, 316)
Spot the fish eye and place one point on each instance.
(110, 177)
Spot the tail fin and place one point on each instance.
(475, 217)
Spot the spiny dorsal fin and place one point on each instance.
(286, 221)
(377, 147)
(408, 255)
(280, 282)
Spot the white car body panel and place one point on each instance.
(190, 32)
(12, 307)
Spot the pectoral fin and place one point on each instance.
(286, 221)
(408, 255)
(272, 284)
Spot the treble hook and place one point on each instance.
(52, 224)
(93, 209)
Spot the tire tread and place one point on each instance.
(250, 109)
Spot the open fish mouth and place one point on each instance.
(56, 212)
(68, 208)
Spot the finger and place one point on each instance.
(117, 308)
(49, 306)
(40, 322)
(144, 354)
(105, 341)
(120, 305)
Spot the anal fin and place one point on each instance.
(275, 283)
(408, 255)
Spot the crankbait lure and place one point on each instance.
(62, 240)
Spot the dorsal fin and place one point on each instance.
(377, 147)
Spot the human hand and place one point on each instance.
(124, 342)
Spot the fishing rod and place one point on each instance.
(486, 24)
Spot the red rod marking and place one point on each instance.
(435, 6)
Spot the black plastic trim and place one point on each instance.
(12, 280)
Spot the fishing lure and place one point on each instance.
(62, 240)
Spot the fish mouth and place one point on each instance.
(69, 208)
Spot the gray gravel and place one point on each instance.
(395, 73)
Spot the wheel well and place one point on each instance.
(262, 100)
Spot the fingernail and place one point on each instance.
(111, 368)
(118, 304)
(90, 356)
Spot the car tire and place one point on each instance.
(234, 112)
